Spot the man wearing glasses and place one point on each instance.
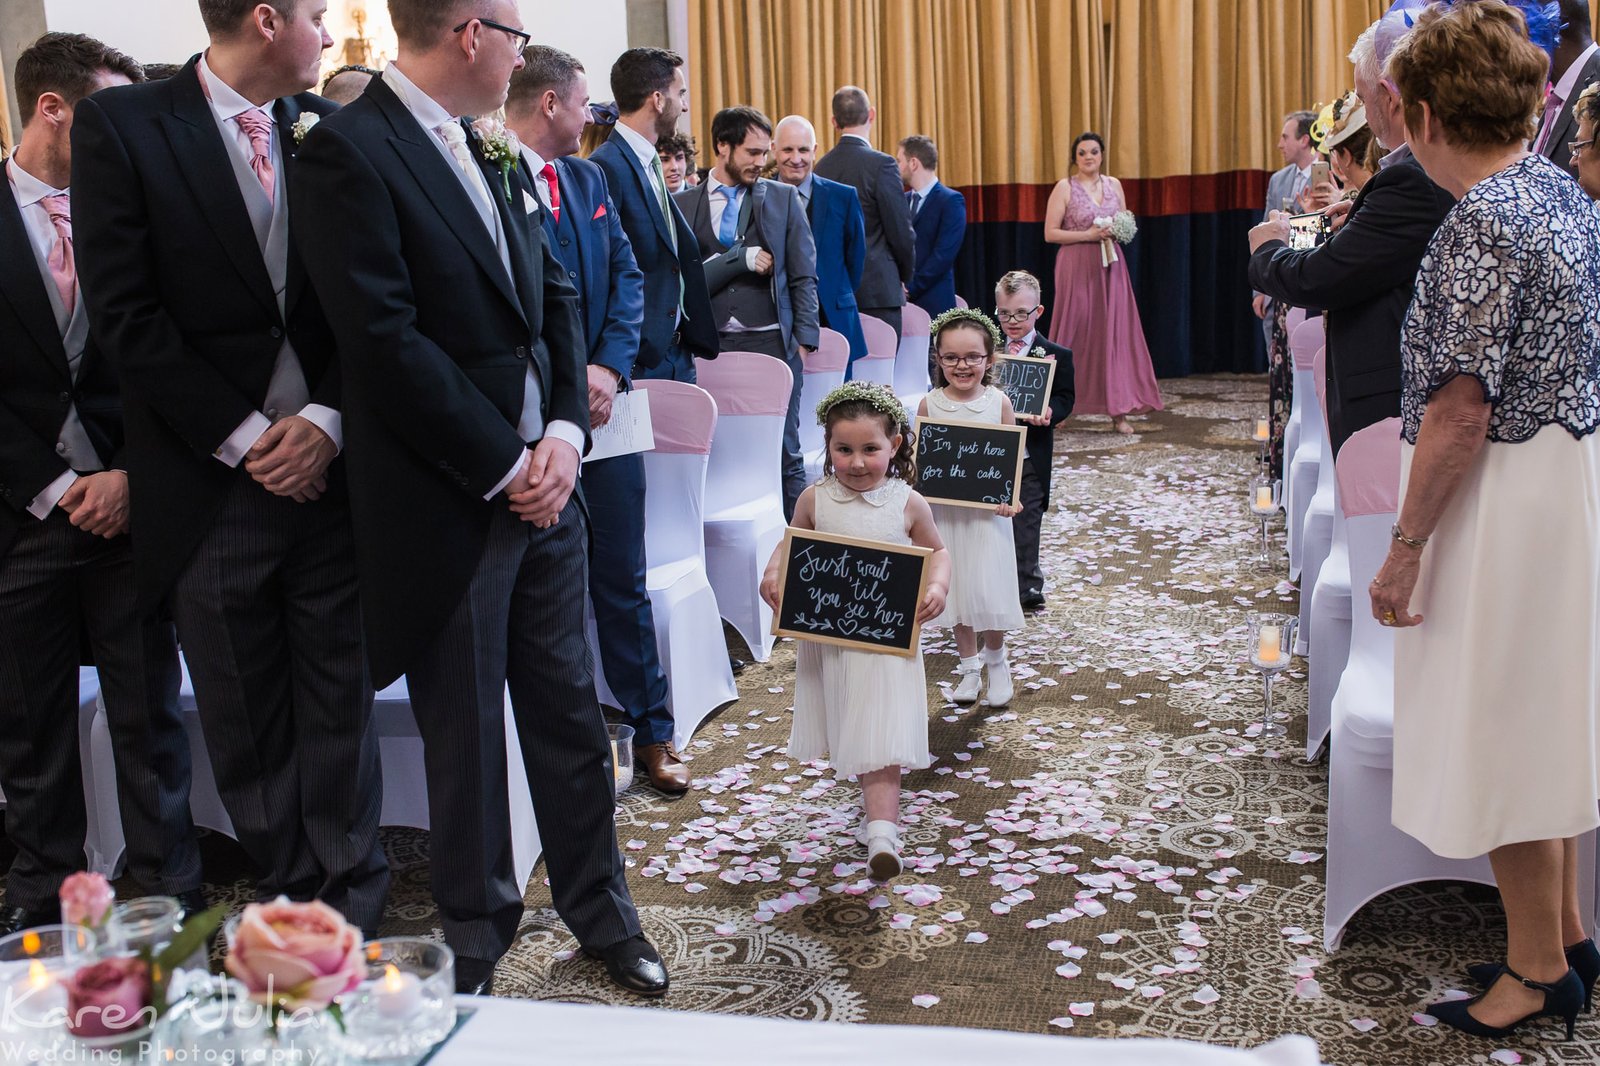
(467, 408)
(1017, 308)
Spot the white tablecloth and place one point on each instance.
(515, 1032)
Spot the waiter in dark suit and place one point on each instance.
(1576, 67)
(548, 109)
(834, 211)
(231, 397)
(891, 245)
(939, 220)
(467, 410)
(1018, 310)
(652, 95)
(65, 562)
(1362, 274)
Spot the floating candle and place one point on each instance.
(399, 993)
(1269, 649)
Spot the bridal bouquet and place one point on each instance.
(1123, 228)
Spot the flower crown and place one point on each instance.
(878, 397)
(966, 314)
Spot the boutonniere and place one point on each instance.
(500, 148)
(1039, 353)
(303, 124)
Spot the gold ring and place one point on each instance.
(1388, 618)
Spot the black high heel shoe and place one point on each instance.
(1583, 957)
(1561, 1000)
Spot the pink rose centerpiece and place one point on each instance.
(296, 956)
(110, 998)
(86, 900)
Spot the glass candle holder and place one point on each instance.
(149, 924)
(1266, 498)
(621, 755)
(1272, 652)
(405, 1006)
(34, 963)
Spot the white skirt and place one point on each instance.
(983, 569)
(860, 710)
(1497, 692)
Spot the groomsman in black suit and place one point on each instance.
(231, 397)
(652, 95)
(1576, 67)
(65, 563)
(467, 409)
(1018, 310)
(548, 109)
(891, 244)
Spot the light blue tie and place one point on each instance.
(729, 228)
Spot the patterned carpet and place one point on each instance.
(1113, 855)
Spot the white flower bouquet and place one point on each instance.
(1123, 228)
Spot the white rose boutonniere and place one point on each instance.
(1039, 353)
(304, 124)
(500, 148)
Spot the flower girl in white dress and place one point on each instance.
(866, 712)
(983, 554)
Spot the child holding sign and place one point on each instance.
(983, 557)
(867, 713)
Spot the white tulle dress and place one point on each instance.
(861, 710)
(983, 553)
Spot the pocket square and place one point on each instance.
(599, 212)
(529, 204)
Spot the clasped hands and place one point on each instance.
(291, 459)
(98, 503)
(541, 489)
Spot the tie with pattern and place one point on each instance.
(728, 230)
(914, 202)
(1014, 347)
(1552, 114)
(63, 264)
(554, 189)
(258, 127)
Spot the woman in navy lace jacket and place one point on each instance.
(1493, 577)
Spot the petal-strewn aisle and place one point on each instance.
(1112, 855)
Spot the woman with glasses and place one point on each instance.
(1095, 312)
(1585, 159)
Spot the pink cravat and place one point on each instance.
(63, 264)
(258, 127)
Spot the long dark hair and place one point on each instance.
(1088, 135)
(903, 464)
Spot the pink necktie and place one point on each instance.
(258, 127)
(1552, 111)
(1014, 348)
(63, 264)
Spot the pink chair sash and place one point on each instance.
(833, 352)
(746, 383)
(1319, 371)
(960, 302)
(915, 322)
(683, 416)
(1293, 318)
(881, 341)
(1305, 340)
(1368, 469)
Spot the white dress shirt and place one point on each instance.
(430, 115)
(72, 444)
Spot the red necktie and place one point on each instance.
(63, 264)
(549, 176)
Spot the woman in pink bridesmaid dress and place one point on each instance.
(1095, 314)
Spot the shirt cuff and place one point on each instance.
(328, 420)
(46, 501)
(567, 432)
(241, 440)
(750, 259)
(511, 475)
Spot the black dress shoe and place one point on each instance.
(193, 903)
(474, 977)
(634, 965)
(1032, 599)
(16, 919)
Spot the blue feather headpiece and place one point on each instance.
(1543, 18)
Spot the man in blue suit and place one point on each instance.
(834, 210)
(939, 219)
(652, 95)
(548, 108)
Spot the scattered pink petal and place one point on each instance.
(1062, 1023)
(1207, 995)
(1425, 1019)
(1081, 1010)
(977, 938)
(1365, 1025)
(924, 1001)
(1506, 1056)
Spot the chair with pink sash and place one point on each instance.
(824, 372)
(1316, 529)
(911, 382)
(1330, 601)
(1303, 439)
(744, 486)
(877, 366)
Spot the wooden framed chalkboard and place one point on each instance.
(856, 593)
(969, 464)
(1027, 381)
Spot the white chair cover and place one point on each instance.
(744, 520)
(882, 348)
(959, 302)
(1330, 634)
(1304, 439)
(1316, 534)
(824, 372)
(102, 844)
(911, 382)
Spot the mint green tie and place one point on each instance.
(660, 182)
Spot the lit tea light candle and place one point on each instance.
(1263, 431)
(1270, 650)
(1264, 497)
(399, 994)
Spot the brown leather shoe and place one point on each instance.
(664, 767)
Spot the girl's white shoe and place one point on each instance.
(883, 850)
(1000, 689)
(970, 674)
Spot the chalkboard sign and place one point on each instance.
(860, 594)
(1027, 381)
(969, 464)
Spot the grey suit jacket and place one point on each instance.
(794, 254)
(1566, 124)
(1279, 188)
(891, 244)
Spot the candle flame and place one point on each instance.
(31, 942)
(391, 978)
(38, 977)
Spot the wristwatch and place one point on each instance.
(1410, 542)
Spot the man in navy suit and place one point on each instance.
(834, 210)
(939, 219)
(548, 108)
(652, 95)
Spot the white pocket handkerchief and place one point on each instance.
(530, 205)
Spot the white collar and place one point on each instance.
(1396, 156)
(226, 103)
(642, 148)
(428, 112)
(30, 190)
(535, 162)
(1569, 79)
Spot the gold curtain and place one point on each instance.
(5, 113)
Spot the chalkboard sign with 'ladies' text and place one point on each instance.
(860, 594)
(969, 464)
(1027, 381)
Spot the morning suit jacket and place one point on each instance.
(646, 227)
(1042, 439)
(891, 246)
(775, 209)
(941, 229)
(184, 304)
(1566, 125)
(591, 246)
(434, 340)
(1362, 276)
(841, 240)
(36, 384)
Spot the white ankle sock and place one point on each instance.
(993, 656)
